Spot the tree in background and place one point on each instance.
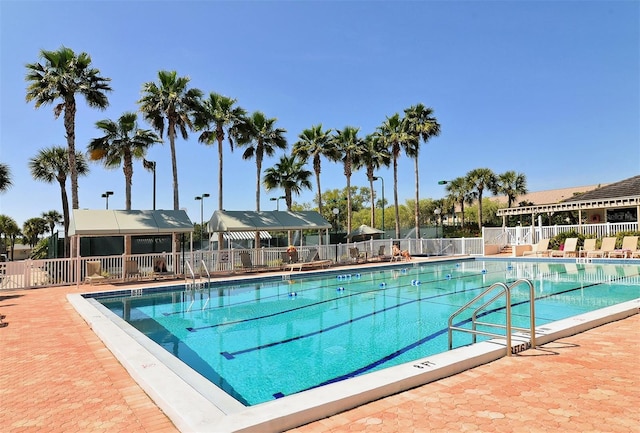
(460, 193)
(349, 145)
(394, 135)
(121, 143)
(480, 179)
(51, 164)
(422, 125)
(373, 155)
(5, 177)
(511, 184)
(9, 232)
(172, 101)
(314, 143)
(261, 137)
(52, 218)
(61, 76)
(32, 229)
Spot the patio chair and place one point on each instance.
(381, 255)
(131, 269)
(608, 244)
(539, 249)
(160, 269)
(629, 247)
(569, 249)
(247, 264)
(289, 257)
(589, 245)
(356, 255)
(94, 272)
(312, 260)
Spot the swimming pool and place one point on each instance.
(265, 339)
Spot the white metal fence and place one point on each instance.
(60, 272)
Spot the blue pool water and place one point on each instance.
(270, 338)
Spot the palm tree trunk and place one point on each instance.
(174, 164)
(69, 126)
(479, 209)
(395, 196)
(65, 215)
(128, 175)
(317, 171)
(258, 170)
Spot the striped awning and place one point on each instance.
(245, 236)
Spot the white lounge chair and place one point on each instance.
(570, 248)
(539, 249)
(608, 244)
(629, 247)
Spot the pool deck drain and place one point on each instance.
(56, 375)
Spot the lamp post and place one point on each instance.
(201, 198)
(106, 196)
(151, 165)
(382, 180)
(437, 211)
(277, 200)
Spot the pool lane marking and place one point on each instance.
(360, 293)
(232, 355)
(329, 286)
(421, 341)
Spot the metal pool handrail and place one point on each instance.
(506, 292)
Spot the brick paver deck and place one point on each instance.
(56, 375)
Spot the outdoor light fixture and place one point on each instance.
(382, 180)
(106, 196)
(277, 200)
(201, 198)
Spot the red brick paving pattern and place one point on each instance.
(57, 376)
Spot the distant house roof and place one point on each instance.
(243, 221)
(625, 188)
(85, 222)
(547, 196)
(624, 193)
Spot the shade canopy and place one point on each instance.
(243, 221)
(364, 232)
(86, 222)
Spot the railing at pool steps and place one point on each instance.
(505, 291)
(199, 285)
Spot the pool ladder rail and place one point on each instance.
(194, 285)
(503, 290)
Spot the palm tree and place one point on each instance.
(52, 218)
(290, 175)
(61, 76)
(217, 117)
(9, 228)
(315, 143)
(261, 138)
(5, 177)
(172, 101)
(459, 192)
(479, 179)
(121, 143)
(511, 184)
(348, 146)
(393, 135)
(373, 155)
(422, 124)
(51, 164)
(32, 229)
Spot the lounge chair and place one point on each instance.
(131, 269)
(247, 264)
(539, 249)
(381, 255)
(94, 272)
(356, 255)
(608, 244)
(311, 261)
(160, 269)
(589, 245)
(629, 247)
(570, 249)
(289, 257)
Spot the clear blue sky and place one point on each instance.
(550, 89)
